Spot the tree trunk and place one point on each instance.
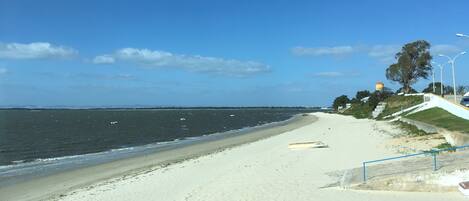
(406, 88)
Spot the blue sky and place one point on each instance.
(214, 53)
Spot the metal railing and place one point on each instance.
(433, 153)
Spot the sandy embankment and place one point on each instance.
(266, 169)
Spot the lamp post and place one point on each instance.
(441, 77)
(433, 79)
(452, 60)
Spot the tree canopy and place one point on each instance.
(413, 63)
(362, 94)
(340, 101)
(429, 88)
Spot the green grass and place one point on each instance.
(410, 129)
(397, 103)
(359, 111)
(444, 146)
(441, 118)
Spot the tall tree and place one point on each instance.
(461, 90)
(429, 88)
(413, 63)
(340, 101)
(362, 94)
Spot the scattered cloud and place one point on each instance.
(122, 76)
(444, 49)
(322, 51)
(333, 74)
(103, 59)
(86, 76)
(193, 63)
(36, 50)
(328, 74)
(3, 71)
(384, 53)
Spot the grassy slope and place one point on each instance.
(441, 118)
(359, 111)
(397, 103)
(394, 104)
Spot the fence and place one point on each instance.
(433, 153)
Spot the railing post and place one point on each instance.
(364, 172)
(434, 160)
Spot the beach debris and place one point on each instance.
(113, 122)
(307, 145)
(464, 188)
(232, 115)
(182, 119)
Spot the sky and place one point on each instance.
(215, 52)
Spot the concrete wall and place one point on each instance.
(451, 98)
(437, 101)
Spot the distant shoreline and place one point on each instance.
(44, 187)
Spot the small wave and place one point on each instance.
(18, 161)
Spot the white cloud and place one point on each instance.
(444, 49)
(322, 51)
(329, 74)
(3, 71)
(193, 63)
(383, 50)
(122, 76)
(384, 53)
(36, 50)
(103, 59)
(333, 74)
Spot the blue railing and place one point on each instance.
(432, 152)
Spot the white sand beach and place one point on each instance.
(266, 169)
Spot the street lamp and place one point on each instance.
(452, 60)
(433, 78)
(441, 77)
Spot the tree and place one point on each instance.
(461, 90)
(429, 88)
(377, 97)
(411, 90)
(448, 89)
(362, 94)
(413, 63)
(340, 101)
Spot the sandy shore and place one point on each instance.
(44, 188)
(265, 169)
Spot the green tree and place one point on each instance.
(340, 101)
(461, 90)
(413, 63)
(411, 90)
(448, 90)
(377, 97)
(362, 94)
(429, 88)
(359, 95)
